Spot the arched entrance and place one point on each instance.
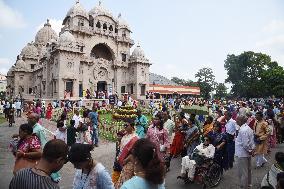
(102, 51)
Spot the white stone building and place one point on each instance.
(3, 83)
(91, 52)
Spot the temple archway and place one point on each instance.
(102, 51)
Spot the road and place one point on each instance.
(105, 154)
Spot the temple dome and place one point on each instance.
(138, 52)
(29, 51)
(20, 64)
(45, 34)
(66, 39)
(99, 10)
(77, 10)
(122, 23)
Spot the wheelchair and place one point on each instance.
(208, 173)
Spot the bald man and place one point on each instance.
(33, 119)
(244, 147)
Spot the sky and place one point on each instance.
(178, 37)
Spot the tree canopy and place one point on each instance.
(221, 91)
(206, 81)
(254, 75)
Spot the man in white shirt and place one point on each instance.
(231, 131)
(244, 147)
(76, 118)
(18, 105)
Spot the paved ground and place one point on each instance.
(104, 154)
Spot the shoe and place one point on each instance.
(96, 145)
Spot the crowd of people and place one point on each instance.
(229, 131)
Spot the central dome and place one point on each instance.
(77, 10)
(99, 10)
(45, 34)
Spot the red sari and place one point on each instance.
(177, 145)
(49, 112)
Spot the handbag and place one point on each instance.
(22, 163)
(256, 139)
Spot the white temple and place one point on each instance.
(91, 52)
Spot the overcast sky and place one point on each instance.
(179, 37)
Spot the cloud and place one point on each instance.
(272, 42)
(55, 24)
(10, 18)
(4, 65)
(274, 26)
(275, 42)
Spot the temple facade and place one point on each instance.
(92, 52)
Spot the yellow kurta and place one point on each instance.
(262, 131)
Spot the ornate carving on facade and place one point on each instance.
(68, 56)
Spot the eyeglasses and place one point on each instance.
(206, 139)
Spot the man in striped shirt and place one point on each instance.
(53, 158)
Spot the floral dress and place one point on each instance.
(160, 138)
(29, 144)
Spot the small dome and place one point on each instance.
(45, 34)
(138, 52)
(20, 64)
(99, 10)
(122, 23)
(77, 10)
(66, 38)
(29, 51)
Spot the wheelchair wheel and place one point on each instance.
(214, 175)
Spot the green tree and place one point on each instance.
(221, 91)
(273, 80)
(184, 82)
(178, 80)
(206, 81)
(245, 73)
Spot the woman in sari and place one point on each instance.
(49, 111)
(28, 149)
(219, 142)
(191, 138)
(159, 136)
(177, 144)
(125, 158)
(208, 125)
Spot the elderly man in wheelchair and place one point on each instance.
(201, 159)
